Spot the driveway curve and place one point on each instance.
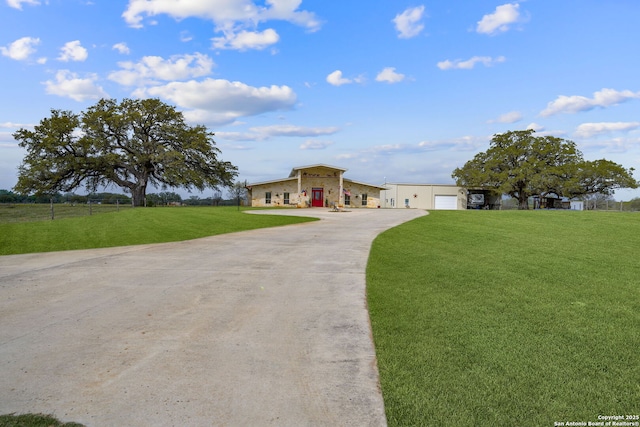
(257, 328)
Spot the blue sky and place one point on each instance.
(402, 91)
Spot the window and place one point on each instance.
(285, 196)
(267, 198)
(393, 203)
(347, 200)
(364, 199)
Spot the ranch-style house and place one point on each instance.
(317, 185)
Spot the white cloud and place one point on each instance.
(499, 20)
(215, 10)
(20, 49)
(434, 145)
(463, 143)
(536, 127)
(575, 104)
(7, 141)
(261, 133)
(11, 125)
(73, 51)
(17, 4)
(613, 145)
(458, 64)
(511, 117)
(388, 151)
(151, 69)
(408, 23)
(238, 136)
(122, 48)
(217, 101)
(315, 145)
(236, 19)
(291, 130)
(389, 75)
(336, 79)
(287, 10)
(348, 156)
(68, 84)
(244, 40)
(587, 130)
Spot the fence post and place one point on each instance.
(51, 200)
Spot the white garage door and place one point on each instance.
(446, 202)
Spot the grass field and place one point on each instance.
(30, 212)
(507, 318)
(33, 420)
(131, 227)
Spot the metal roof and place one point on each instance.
(271, 181)
(319, 165)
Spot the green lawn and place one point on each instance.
(30, 212)
(33, 420)
(131, 227)
(479, 318)
(507, 318)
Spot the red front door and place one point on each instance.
(317, 197)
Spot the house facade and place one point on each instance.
(317, 185)
(423, 196)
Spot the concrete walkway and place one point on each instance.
(259, 328)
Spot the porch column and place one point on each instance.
(341, 197)
(299, 183)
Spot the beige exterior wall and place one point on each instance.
(357, 191)
(321, 177)
(258, 194)
(420, 196)
(300, 188)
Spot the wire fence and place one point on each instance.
(28, 212)
(587, 205)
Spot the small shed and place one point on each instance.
(576, 205)
(553, 201)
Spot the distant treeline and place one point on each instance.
(164, 198)
(7, 196)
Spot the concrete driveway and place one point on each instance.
(258, 328)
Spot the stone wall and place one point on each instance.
(330, 185)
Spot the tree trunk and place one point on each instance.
(138, 195)
(523, 202)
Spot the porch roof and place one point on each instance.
(319, 165)
(380, 187)
(294, 176)
(273, 181)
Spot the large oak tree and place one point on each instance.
(599, 177)
(522, 165)
(131, 144)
